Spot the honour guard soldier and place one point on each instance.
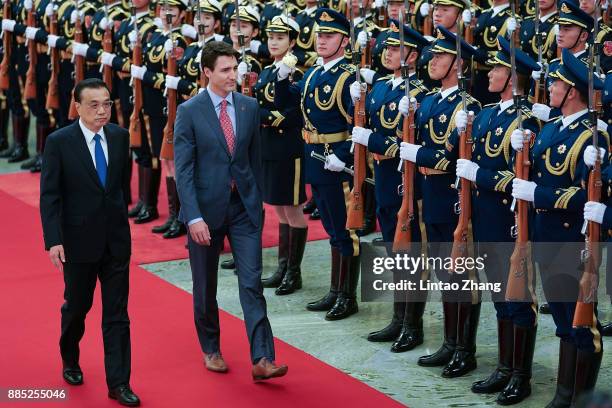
(272, 9)
(325, 100)
(548, 19)
(249, 27)
(229, 9)
(558, 172)
(604, 36)
(434, 121)
(337, 5)
(380, 137)
(305, 43)
(283, 159)
(491, 171)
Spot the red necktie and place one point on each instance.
(226, 125)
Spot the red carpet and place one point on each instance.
(167, 369)
(149, 247)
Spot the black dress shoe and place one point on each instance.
(28, 164)
(146, 214)
(228, 264)
(124, 395)
(73, 374)
(545, 308)
(462, 363)
(177, 229)
(343, 308)
(389, 333)
(324, 304)
(315, 215)
(19, 154)
(408, 339)
(310, 206)
(606, 330)
(439, 358)
(135, 210)
(37, 167)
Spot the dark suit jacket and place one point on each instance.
(76, 210)
(204, 166)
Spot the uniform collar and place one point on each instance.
(568, 120)
(499, 9)
(546, 17)
(503, 105)
(310, 10)
(329, 65)
(445, 93)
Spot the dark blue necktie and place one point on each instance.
(100, 159)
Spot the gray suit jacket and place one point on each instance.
(204, 166)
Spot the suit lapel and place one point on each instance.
(240, 110)
(82, 152)
(209, 111)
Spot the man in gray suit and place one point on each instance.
(217, 154)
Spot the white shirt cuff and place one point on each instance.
(195, 220)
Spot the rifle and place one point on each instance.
(201, 33)
(591, 254)
(520, 260)
(427, 22)
(405, 216)
(52, 101)
(540, 86)
(7, 42)
(167, 149)
(464, 206)
(79, 61)
(469, 29)
(107, 46)
(347, 170)
(30, 84)
(383, 16)
(250, 78)
(355, 214)
(135, 124)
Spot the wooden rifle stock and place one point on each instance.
(405, 216)
(52, 101)
(107, 46)
(7, 42)
(167, 149)
(383, 17)
(135, 124)
(355, 215)
(520, 260)
(79, 66)
(30, 84)
(460, 236)
(428, 23)
(248, 81)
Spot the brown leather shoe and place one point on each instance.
(214, 362)
(266, 369)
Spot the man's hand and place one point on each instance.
(333, 163)
(56, 253)
(199, 233)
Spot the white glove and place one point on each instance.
(362, 38)
(594, 211)
(49, 10)
(523, 189)
(541, 111)
(283, 71)
(242, 70)
(168, 46)
(158, 22)
(103, 24)
(467, 169)
(466, 16)
(79, 48)
(379, 3)
(517, 137)
(536, 74)
(511, 24)
(27, 4)
(74, 15)
(189, 31)
(132, 36)
(408, 151)
(590, 154)
(30, 32)
(8, 25)
(461, 119)
(361, 135)
(107, 58)
(254, 46)
(404, 104)
(355, 91)
(367, 75)
(424, 9)
(137, 72)
(52, 40)
(172, 82)
(333, 163)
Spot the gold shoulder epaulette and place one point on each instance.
(348, 67)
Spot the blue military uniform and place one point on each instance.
(324, 97)
(528, 37)
(560, 174)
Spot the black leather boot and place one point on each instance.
(274, 280)
(292, 280)
(315, 215)
(464, 358)
(172, 213)
(148, 212)
(445, 352)
(519, 388)
(178, 228)
(565, 376)
(28, 164)
(4, 118)
(545, 308)
(412, 328)
(327, 301)
(346, 303)
(505, 350)
(7, 152)
(392, 330)
(369, 209)
(20, 128)
(135, 210)
(587, 369)
(606, 330)
(45, 131)
(310, 206)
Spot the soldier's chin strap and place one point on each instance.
(507, 81)
(450, 67)
(577, 39)
(340, 45)
(565, 97)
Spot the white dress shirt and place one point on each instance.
(329, 65)
(91, 143)
(503, 105)
(446, 92)
(568, 120)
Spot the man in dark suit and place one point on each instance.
(83, 206)
(219, 180)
